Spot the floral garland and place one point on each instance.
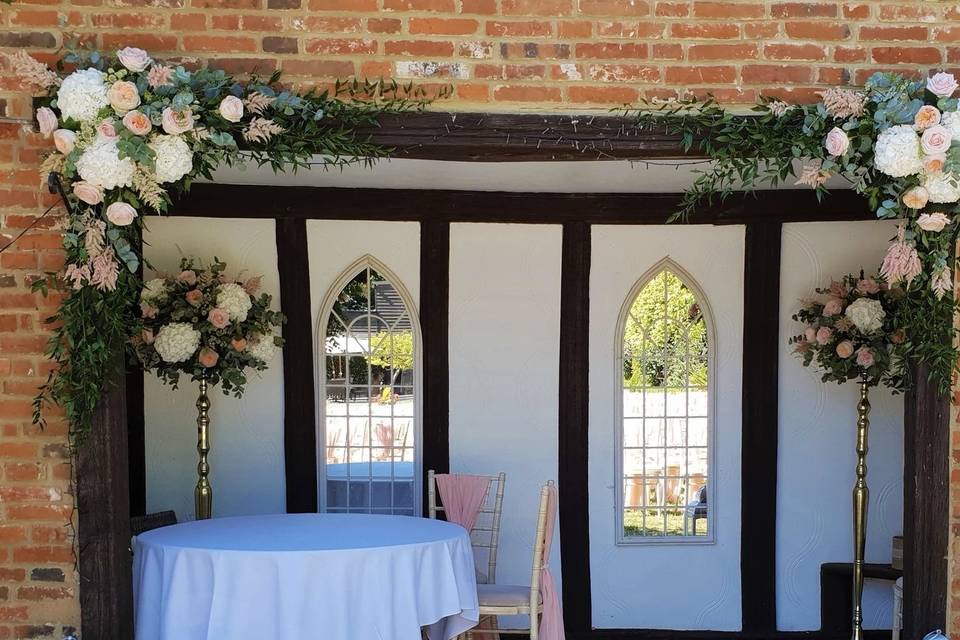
(128, 132)
(896, 141)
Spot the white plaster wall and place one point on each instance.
(504, 358)
(817, 437)
(681, 585)
(246, 457)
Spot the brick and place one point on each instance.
(740, 51)
(330, 24)
(602, 95)
(446, 6)
(441, 26)
(47, 574)
(482, 7)
(574, 29)
(318, 68)
(220, 44)
(795, 52)
(631, 30)
(887, 34)
(774, 74)
(540, 7)
(609, 50)
(906, 55)
(44, 554)
(528, 28)
(188, 21)
(728, 10)
(527, 93)
(849, 54)
(804, 10)
(428, 48)
(44, 593)
(614, 7)
(703, 31)
(28, 39)
(673, 9)
(383, 25)
(284, 4)
(343, 5)
(341, 46)
(817, 30)
(277, 44)
(700, 75)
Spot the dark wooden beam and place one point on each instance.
(926, 505)
(758, 458)
(136, 441)
(434, 325)
(573, 422)
(509, 137)
(259, 201)
(103, 505)
(299, 390)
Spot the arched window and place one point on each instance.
(664, 425)
(370, 410)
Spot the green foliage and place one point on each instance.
(392, 350)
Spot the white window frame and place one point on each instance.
(666, 264)
(326, 308)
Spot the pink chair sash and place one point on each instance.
(551, 623)
(462, 497)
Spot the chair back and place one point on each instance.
(546, 519)
(485, 535)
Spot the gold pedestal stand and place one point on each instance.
(203, 494)
(861, 498)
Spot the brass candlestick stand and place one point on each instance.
(203, 494)
(861, 499)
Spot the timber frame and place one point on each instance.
(502, 137)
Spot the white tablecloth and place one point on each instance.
(305, 577)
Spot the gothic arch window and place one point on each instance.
(664, 423)
(370, 394)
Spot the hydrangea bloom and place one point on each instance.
(867, 314)
(262, 348)
(82, 95)
(234, 300)
(177, 342)
(174, 158)
(943, 188)
(153, 289)
(101, 165)
(951, 120)
(897, 153)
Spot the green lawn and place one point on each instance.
(632, 524)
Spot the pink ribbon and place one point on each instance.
(462, 497)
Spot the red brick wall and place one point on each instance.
(497, 54)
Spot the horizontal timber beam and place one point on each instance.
(219, 200)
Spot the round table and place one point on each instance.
(293, 576)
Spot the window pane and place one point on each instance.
(665, 426)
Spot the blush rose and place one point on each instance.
(942, 84)
(194, 296)
(837, 142)
(231, 109)
(123, 96)
(137, 123)
(177, 122)
(133, 59)
(845, 349)
(64, 140)
(865, 357)
(934, 222)
(47, 120)
(88, 192)
(219, 318)
(936, 139)
(208, 357)
(188, 276)
(121, 214)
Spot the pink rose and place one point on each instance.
(133, 59)
(933, 221)
(64, 140)
(137, 123)
(916, 198)
(238, 344)
(926, 117)
(219, 318)
(231, 109)
(833, 307)
(839, 289)
(810, 334)
(147, 336)
(864, 357)
(47, 120)
(88, 192)
(147, 310)
(868, 286)
(123, 96)
(177, 122)
(121, 214)
(942, 84)
(208, 357)
(106, 129)
(823, 335)
(194, 296)
(188, 276)
(837, 142)
(936, 139)
(934, 163)
(845, 349)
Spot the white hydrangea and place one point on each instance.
(153, 289)
(177, 342)
(897, 153)
(233, 299)
(867, 314)
(174, 158)
(102, 165)
(82, 95)
(951, 120)
(262, 348)
(943, 188)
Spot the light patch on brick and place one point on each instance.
(297, 23)
(415, 69)
(475, 49)
(570, 71)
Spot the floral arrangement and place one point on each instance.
(128, 133)
(854, 332)
(896, 141)
(201, 324)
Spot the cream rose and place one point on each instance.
(134, 59)
(123, 96)
(137, 123)
(231, 109)
(64, 140)
(121, 214)
(926, 117)
(934, 222)
(837, 142)
(942, 84)
(208, 357)
(916, 198)
(845, 349)
(177, 122)
(47, 120)
(934, 163)
(936, 139)
(88, 192)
